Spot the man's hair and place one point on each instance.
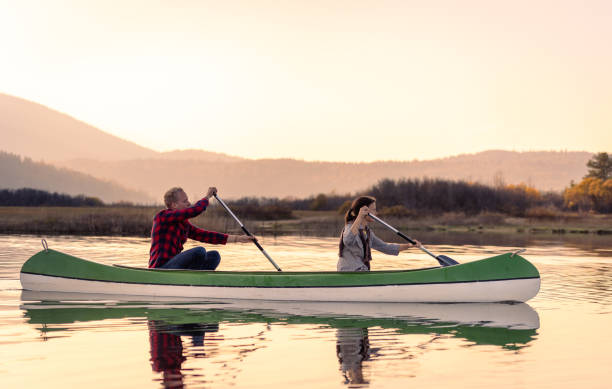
(170, 196)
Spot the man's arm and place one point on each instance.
(176, 215)
(201, 235)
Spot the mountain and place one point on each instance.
(292, 178)
(37, 132)
(197, 155)
(41, 133)
(17, 172)
(33, 130)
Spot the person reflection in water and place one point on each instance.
(166, 356)
(352, 348)
(167, 348)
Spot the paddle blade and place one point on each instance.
(446, 261)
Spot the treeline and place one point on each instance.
(412, 197)
(402, 198)
(261, 208)
(425, 197)
(266, 208)
(27, 197)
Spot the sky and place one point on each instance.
(320, 80)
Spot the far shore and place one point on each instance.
(136, 221)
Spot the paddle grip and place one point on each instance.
(405, 237)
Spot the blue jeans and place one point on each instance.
(196, 258)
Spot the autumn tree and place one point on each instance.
(590, 194)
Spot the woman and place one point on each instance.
(357, 238)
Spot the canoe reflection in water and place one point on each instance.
(366, 334)
(167, 348)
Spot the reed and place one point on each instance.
(120, 221)
(137, 221)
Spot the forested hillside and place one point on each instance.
(31, 130)
(293, 178)
(17, 172)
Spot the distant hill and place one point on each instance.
(292, 178)
(17, 172)
(197, 155)
(34, 131)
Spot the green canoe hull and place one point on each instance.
(504, 277)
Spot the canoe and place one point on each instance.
(502, 278)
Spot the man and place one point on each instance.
(171, 229)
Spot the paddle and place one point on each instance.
(247, 232)
(442, 259)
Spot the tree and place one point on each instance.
(319, 203)
(576, 197)
(590, 194)
(600, 166)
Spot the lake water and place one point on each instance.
(560, 339)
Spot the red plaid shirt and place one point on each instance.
(171, 229)
(166, 350)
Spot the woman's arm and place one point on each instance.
(363, 212)
(384, 247)
(391, 248)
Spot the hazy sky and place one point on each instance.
(320, 80)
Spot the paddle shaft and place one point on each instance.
(389, 226)
(247, 232)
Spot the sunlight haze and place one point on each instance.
(320, 80)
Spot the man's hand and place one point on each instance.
(241, 239)
(211, 192)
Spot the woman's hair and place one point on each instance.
(362, 201)
(170, 196)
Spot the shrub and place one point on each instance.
(542, 213)
(397, 211)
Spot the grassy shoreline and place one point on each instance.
(136, 221)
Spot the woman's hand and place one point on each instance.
(406, 246)
(360, 219)
(363, 212)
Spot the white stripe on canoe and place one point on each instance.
(489, 291)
